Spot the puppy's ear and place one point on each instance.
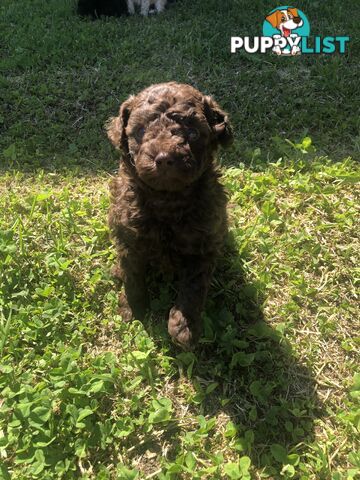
(218, 121)
(116, 126)
(293, 11)
(274, 18)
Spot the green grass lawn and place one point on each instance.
(272, 391)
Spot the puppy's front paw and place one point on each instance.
(181, 330)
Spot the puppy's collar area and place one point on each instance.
(186, 192)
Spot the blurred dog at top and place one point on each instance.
(98, 8)
(145, 6)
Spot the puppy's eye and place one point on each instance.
(177, 132)
(283, 19)
(177, 117)
(139, 133)
(193, 134)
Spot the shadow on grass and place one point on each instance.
(247, 374)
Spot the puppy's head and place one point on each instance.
(285, 20)
(168, 134)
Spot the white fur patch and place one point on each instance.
(145, 6)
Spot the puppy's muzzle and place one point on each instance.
(172, 163)
(163, 159)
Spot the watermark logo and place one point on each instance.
(287, 26)
(286, 31)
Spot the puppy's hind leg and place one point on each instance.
(145, 5)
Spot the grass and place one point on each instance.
(273, 390)
(273, 385)
(61, 78)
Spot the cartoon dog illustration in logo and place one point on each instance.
(286, 21)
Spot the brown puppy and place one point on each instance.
(168, 209)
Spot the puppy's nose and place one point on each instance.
(163, 159)
(297, 20)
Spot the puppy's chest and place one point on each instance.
(169, 214)
(177, 228)
(167, 220)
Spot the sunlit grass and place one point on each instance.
(268, 393)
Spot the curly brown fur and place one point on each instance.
(168, 208)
